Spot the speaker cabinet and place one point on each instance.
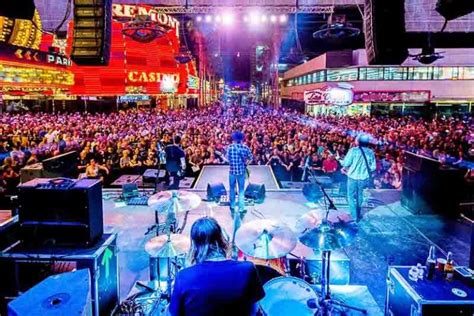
(430, 188)
(256, 192)
(92, 32)
(385, 32)
(18, 9)
(215, 191)
(59, 215)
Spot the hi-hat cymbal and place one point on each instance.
(319, 233)
(313, 219)
(265, 239)
(175, 201)
(161, 247)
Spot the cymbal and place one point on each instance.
(265, 239)
(161, 247)
(313, 219)
(336, 232)
(175, 201)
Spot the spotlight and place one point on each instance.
(273, 18)
(208, 18)
(227, 19)
(218, 19)
(283, 18)
(264, 18)
(254, 18)
(246, 18)
(198, 18)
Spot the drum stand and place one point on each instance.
(326, 302)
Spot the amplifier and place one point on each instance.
(436, 297)
(60, 212)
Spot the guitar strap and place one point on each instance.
(366, 164)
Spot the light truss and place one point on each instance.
(199, 9)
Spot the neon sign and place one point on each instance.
(329, 95)
(193, 82)
(129, 11)
(152, 76)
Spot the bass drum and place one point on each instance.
(267, 269)
(288, 296)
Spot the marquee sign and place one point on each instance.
(341, 96)
(126, 12)
(152, 76)
(32, 56)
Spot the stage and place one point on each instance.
(388, 234)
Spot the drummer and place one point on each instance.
(214, 285)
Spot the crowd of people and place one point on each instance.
(133, 140)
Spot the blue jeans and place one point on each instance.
(355, 197)
(237, 180)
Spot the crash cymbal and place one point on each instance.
(161, 247)
(314, 218)
(177, 201)
(330, 235)
(265, 239)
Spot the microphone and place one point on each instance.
(311, 303)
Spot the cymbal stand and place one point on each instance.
(237, 224)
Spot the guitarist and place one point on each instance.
(175, 163)
(358, 165)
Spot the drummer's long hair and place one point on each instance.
(207, 240)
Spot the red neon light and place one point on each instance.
(132, 64)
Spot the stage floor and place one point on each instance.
(388, 234)
(215, 174)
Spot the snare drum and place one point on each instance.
(286, 296)
(267, 268)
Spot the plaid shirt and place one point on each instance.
(238, 155)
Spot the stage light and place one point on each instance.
(208, 18)
(283, 18)
(218, 19)
(264, 18)
(198, 18)
(246, 18)
(227, 19)
(254, 18)
(273, 18)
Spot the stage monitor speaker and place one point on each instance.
(453, 9)
(18, 9)
(215, 191)
(64, 165)
(385, 42)
(256, 192)
(92, 32)
(62, 294)
(58, 213)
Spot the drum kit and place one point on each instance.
(267, 243)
